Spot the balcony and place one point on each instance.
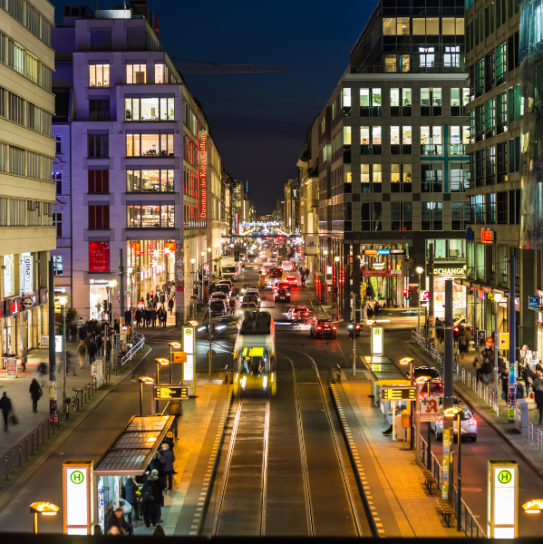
(457, 149)
(148, 45)
(431, 149)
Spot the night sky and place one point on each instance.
(259, 121)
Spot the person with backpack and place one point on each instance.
(149, 496)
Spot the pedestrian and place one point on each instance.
(73, 331)
(505, 383)
(108, 346)
(232, 306)
(170, 305)
(149, 496)
(159, 531)
(42, 370)
(98, 530)
(162, 299)
(477, 364)
(35, 394)
(153, 317)
(167, 461)
(137, 316)
(117, 521)
(160, 487)
(82, 353)
(538, 394)
(130, 489)
(7, 408)
(147, 317)
(155, 464)
(99, 343)
(91, 350)
(462, 346)
(80, 322)
(164, 318)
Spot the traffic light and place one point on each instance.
(410, 293)
(405, 293)
(104, 305)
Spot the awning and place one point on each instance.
(134, 448)
(384, 371)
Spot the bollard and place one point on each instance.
(7, 468)
(43, 434)
(530, 432)
(539, 439)
(37, 438)
(32, 444)
(26, 448)
(20, 455)
(48, 429)
(13, 457)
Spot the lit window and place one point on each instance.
(389, 26)
(98, 75)
(136, 73)
(402, 26)
(448, 26)
(390, 63)
(58, 267)
(347, 135)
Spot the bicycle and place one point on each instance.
(75, 400)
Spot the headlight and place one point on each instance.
(243, 382)
(265, 382)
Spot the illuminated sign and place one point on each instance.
(449, 271)
(203, 174)
(253, 352)
(425, 296)
(398, 393)
(77, 497)
(383, 252)
(487, 236)
(502, 510)
(378, 266)
(171, 392)
(190, 350)
(179, 357)
(370, 252)
(377, 340)
(26, 273)
(8, 275)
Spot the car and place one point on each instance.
(436, 383)
(217, 307)
(221, 295)
(252, 294)
(322, 328)
(296, 312)
(281, 285)
(230, 283)
(244, 288)
(292, 280)
(287, 266)
(281, 295)
(248, 305)
(468, 424)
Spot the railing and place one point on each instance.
(29, 445)
(129, 355)
(148, 45)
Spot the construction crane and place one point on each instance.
(214, 68)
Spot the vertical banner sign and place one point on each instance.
(78, 493)
(377, 340)
(189, 347)
(446, 464)
(179, 280)
(203, 175)
(502, 508)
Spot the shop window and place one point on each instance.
(98, 181)
(98, 256)
(149, 145)
(98, 217)
(431, 178)
(432, 216)
(136, 73)
(370, 102)
(150, 181)
(371, 141)
(401, 140)
(99, 75)
(150, 216)
(371, 178)
(400, 102)
(58, 265)
(371, 220)
(401, 216)
(431, 140)
(401, 178)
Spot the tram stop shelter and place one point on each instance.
(129, 455)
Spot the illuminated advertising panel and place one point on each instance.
(502, 510)
(202, 170)
(77, 497)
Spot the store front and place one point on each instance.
(441, 271)
(98, 292)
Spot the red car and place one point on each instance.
(281, 285)
(292, 280)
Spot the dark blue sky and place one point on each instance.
(259, 121)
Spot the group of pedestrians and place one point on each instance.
(93, 345)
(148, 317)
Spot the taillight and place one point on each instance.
(456, 329)
(319, 328)
(357, 327)
(334, 328)
(441, 420)
(473, 422)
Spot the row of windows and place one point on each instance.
(427, 59)
(401, 216)
(493, 116)
(192, 219)
(149, 109)
(492, 164)
(29, 17)
(483, 24)
(99, 74)
(137, 181)
(149, 145)
(401, 177)
(25, 213)
(502, 208)
(24, 113)
(405, 26)
(15, 160)
(138, 216)
(16, 57)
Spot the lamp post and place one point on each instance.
(336, 259)
(497, 300)
(44, 509)
(173, 346)
(403, 362)
(419, 270)
(112, 284)
(63, 301)
(148, 381)
(161, 362)
(451, 413)
(419, 382)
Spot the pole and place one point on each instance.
(431, 329)
(35, 523)
(53, 410)
(511, 391)
(496, 363)
(65, 367)
(209, 354)
(121, 287)
(354, 333)
(418, 312)
(417, 421)
(459, 484)
(141, 398)
(448, 386)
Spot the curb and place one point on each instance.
(19, 483)
(481, 414)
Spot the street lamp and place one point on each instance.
(419, 270)
(161, 362)
(497, 299)
(44, 509)
(174, 346)
(148, 381)
(63, 301)
(533, 507)
(419, 382)
(451, 413)
(403, 362)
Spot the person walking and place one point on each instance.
(153, 317)
(41, 370)
(107, 346)
(24, 358)
(82, 353)
(137, 317)
(160, 487)
(35, 394)
(538, 394)
(164, 317)
(167, 461)
(232, 306)
(462, 346)
(7, 408)
(170, 305)
(99, 344)
(149, 497)
(91, 350)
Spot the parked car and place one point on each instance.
(217, 307)
(322, 328)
